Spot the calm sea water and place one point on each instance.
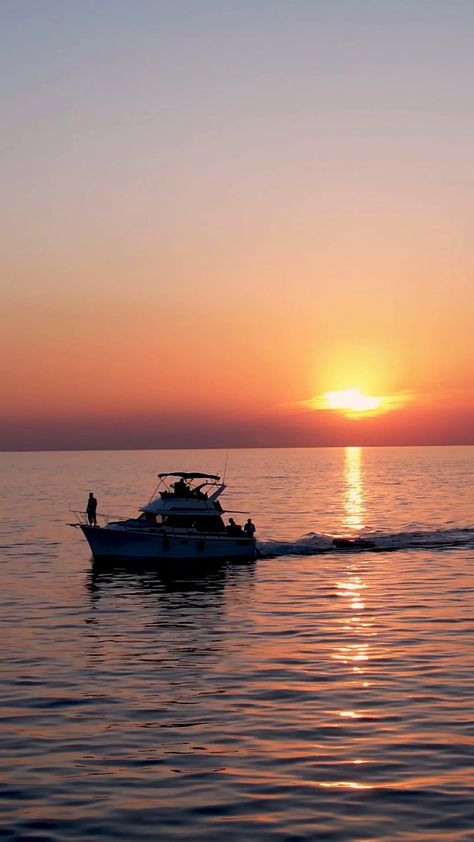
(311, 695)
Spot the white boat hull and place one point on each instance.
(113, 542)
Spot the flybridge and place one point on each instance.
(188, 475)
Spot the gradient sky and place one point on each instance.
(214, 212)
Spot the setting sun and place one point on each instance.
(355, 404)
(351, 400)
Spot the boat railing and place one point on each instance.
(170, 531)
(103, 519)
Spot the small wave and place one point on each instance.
(314, 543)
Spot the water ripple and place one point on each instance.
(302, 697)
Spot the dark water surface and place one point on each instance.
(305, 696)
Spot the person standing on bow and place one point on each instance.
(91, 510)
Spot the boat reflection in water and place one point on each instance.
(113, 577)
(143, 614)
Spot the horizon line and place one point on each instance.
(232, 447)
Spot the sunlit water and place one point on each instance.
(311, 695)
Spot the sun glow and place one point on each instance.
(351, 400)
(353, 403)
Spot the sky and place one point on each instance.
(216, 212)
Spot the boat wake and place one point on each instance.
(314, 543)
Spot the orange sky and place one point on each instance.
(194, 245)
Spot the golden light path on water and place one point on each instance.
(353, 497)
(355, 625)
(354, 651)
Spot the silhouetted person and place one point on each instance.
(249, 529)
(233, 528)
(180, 488)
(91, 510)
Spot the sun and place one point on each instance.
(353, 403)
(351, 400)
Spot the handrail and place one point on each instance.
(161, 529)
(82, 517)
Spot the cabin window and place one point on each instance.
(208, 523)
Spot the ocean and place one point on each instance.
(314, 694)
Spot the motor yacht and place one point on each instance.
(182, 521)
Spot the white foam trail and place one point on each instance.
(313, 543)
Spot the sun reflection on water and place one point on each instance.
(355, 646)
(354, 509)
(345, 785)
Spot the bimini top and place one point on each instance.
(187, 475)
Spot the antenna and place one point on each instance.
(225, 467)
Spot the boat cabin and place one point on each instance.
(185, 500)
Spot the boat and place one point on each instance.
(182, 521)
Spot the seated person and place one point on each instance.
(233, 528)
(181, 489)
